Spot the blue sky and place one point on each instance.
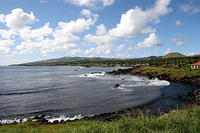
(32, 30)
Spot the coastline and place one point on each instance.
(193, 97)
(137, 110)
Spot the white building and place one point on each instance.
(195, 65)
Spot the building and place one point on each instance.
(195, 65)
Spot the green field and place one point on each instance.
(177, 121)
(174, 73)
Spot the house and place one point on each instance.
(195, 65)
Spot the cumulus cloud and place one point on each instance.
(7, 34)
(190, 8)
(134, 21)
(91, 3)
(89, 51)
(43, 39)
(86, 12)
(2, 18)
(101, 29)
(18, 19)
(36, 34)
(104, 39)
(150, 41)
(62, 38)
(178, 23)
(120, 47)
(100, 49)
(76, 51)
(5, 46)
(180, 40)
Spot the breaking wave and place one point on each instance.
(64, 118)
(48, 118)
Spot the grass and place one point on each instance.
(177, 121)
(174, 73)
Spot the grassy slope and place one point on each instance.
(175, 73)
(181, 121)
(173, 55)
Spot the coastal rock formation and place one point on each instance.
(192, 97)
(116, 85)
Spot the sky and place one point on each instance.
(32, 30)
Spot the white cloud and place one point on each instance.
(77, 26)
(43, 39)
(168, 51)
(180, 40)
(76, 51)
(43, 1)
(36, 34)
(100, 49)
(99, 40)
(18, 19)
(5, 46)
(194, 53)
(86, 12)
(130, 48)
(101, 29)
(104, 49)
(120, 47)
(150, 41)
(134, 21)
(91, 3)
(89, 51)
(178, 23)
(190, 8)
(180, 43)
(7, 34)
(2, 18)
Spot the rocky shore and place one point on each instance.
(193, 97)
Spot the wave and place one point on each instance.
(64, 118)
(147, 82)
(48, 118)
(90, 75)
(11, 121)
(157, 82)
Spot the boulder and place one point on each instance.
(116, 85)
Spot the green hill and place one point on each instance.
(197, 55)
(174, 55)
(71, 61)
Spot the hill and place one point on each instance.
(197, 55)
(174, 55)
(71, 61)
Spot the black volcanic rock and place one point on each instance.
(116, 85)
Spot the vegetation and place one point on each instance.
(174, 72)
(180, 121)
(178, 60)
(177, 121)
(173, 55)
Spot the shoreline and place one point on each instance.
(193, 97)
(131, 111)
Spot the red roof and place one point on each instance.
(196, 64)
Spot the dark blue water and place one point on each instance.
(69, 91)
